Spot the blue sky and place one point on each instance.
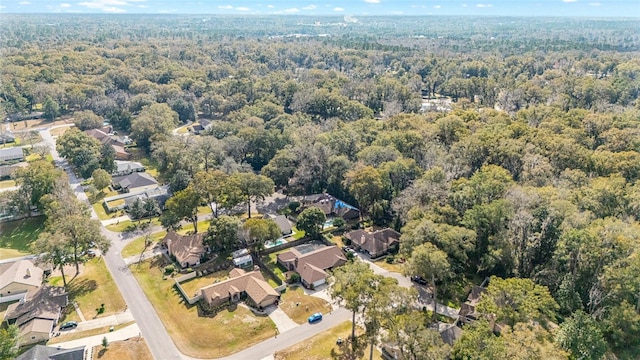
(593, 8)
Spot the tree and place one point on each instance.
(183, 205)
(37, 180)
(108, 158)
(185, 109)
(54, 249)
(350, 284)
(81, 150)
(216, 189)
(179, 181)
(517, 300)
(101, 179)
(258, 231)
(136, 209)
(252, 187)
(105, 342)
(366, 185)
(414, 340)
(151, 208)
(9, 337)
(429, 262)
(311, 221)
(223, 232)
(581, 336)
(50, 108)
(152, 124)
(380, 306)
(86, 120)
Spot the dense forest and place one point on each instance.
(532, 172)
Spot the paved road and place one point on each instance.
(294, 336)
(161, 345)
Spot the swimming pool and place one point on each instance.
(276, 242)
(327, 224)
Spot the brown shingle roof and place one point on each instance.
(250, 282)
(44, 303)
(311, 265)
(375, 242)
(23, 272)
(182, 247)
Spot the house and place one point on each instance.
(467, 313)
(7, 170)
(37, 315)
(42, 352)
(134, 182)
(6, 138)
(311, 264)
(332, 206)
(30, 116)
(377, 243)
(104, 136)
(127, 167)
(13, 154)
(283, 223)
(19, 277)
(449, 332)
(240, 283)
(187, 249)
(121, 201)
(242, 259)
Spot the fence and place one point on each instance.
(183, 278)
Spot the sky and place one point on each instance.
(583, 8)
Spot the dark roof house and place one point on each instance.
(332, 206)
(283, 223)
(42, 352)
(104, 136)
(11, 154)
(377, 243)
(135, 182)
(6, 138)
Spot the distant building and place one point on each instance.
(377, 243)
(7, 138)
(283, 223)
(127, 167)
(332, 206)
(12, 154)
(19, 277)
(104, 136)
(137, 181)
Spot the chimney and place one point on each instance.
(28, 272)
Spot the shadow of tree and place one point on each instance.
(101, 353)
(345, 351)
(79, 287)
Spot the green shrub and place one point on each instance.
(294, 206)
(339, 222)
(390, 259)
(169, 269)
(293, 278)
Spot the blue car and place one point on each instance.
(315, 317)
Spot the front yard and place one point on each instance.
(93, 287)
(323, 346)
(83, 334)
(137, 245)
(223, 334)
(131, 349)
(16, 236)
(299, 306)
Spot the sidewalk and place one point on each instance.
(122, 334)
(146, 255)
(113, 320)
(115, 220)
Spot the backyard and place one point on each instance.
(270, 261)
(323, 346)
(223, 334)
(93, 287)
(298, 306)
(16, 236)
(131, 349)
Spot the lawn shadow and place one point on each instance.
(77, 288)
(101, 353)
(345, 352)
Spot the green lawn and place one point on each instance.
(101, 211)
(298, 234)
(7, 184)
(136, 246)
(270, 261)
(129, 225)
(203, 225)
(224, 334)
(299, 306)
(91, 288)
(323, 346)
(16, 236)
(393, 267)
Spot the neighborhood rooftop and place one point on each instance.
(12, 153)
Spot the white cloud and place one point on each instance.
(104, 5)
(372, 1)
(484, 5)
(595, 4)
(338, 9)
(113, 9)
(464, 5)
(310, 7)
(270, 6)
(142, 6)
(437, 6)
(397, 13)
(569, 1)
(65, 5)
(242, 8)
(24, 3)
(225, 7)
(291, 11)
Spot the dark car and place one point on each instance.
(419, 280)
(69, 325)
(315, 317)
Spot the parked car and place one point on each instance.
(92, 253)
(315, 317)
(419, 280)
(69, 325)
